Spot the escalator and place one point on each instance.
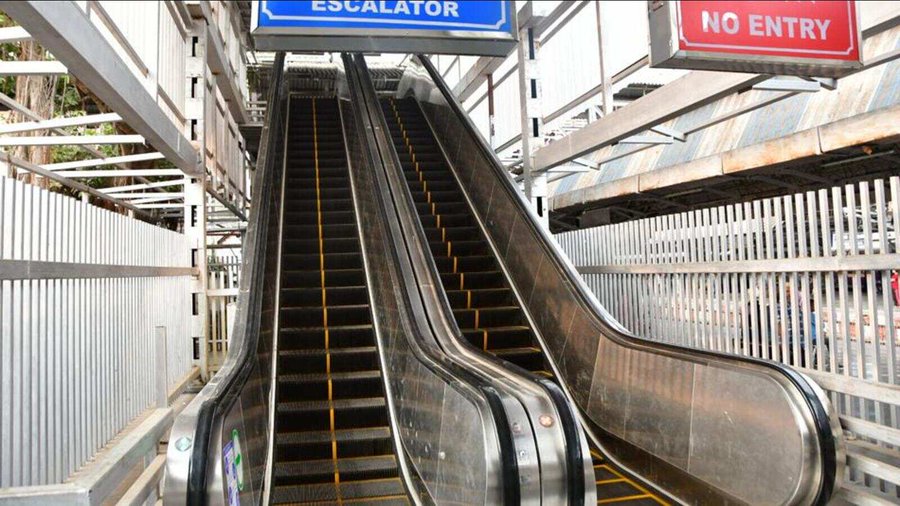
(335, 389)
(353, 377)
(332, 439)
(483, 303)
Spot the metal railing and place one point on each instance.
(94, 329)
(808, 280)
(222, 295)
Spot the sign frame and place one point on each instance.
(665, 51)
(388, 40)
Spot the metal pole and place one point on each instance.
(606, 85)
(490, 99)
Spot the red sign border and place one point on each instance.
(808, 54)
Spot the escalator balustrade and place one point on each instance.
(483, 303)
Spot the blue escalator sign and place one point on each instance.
(446, 26)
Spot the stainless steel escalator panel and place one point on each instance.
(555, 466)
(448, 429)
(794, 452)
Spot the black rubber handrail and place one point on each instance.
(822, 421)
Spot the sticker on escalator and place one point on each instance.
(231, 484)
(234, 469)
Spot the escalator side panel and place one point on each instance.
(630, 386)
(483, 304)
(452, 425)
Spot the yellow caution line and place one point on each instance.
(624, 498)
(646, 493)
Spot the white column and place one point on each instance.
(535, 186)
(195, 188)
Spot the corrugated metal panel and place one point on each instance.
(569, 63)
(134, 20)
(773, 121)
(506, 103)
(888, 91)
(171, 77)
(679, 152)
(77, 354)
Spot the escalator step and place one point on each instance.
(334, 278)
(361, 358)
(341, 436)
(338, 376)
(307, 387)
(319, 415)
(349, 443)
(500, 337)
(315, 316)
(322, 470)
(489, 317)
(480, 297)
(343, 336)
(339, 296)
(338, 404)
(364, 489)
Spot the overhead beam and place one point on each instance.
(65, 30)
(32, 68)
(159, 206)
(150, 200)
(143, 186)
(144, 195)
(49, 124)
(119, 173)
(37, 169)
(11, 34)
(112, 160)
(70, 140)
(678, 97)
(786, 84)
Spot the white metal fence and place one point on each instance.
(223, 282)
(803, 279)
(95, 314)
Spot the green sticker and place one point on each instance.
(238, 459)
(183, 444)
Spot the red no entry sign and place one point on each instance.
(809, 37)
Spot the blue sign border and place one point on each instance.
(466, 37)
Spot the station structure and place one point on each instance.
(247, 263)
